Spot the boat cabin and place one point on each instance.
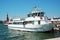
(35, 17)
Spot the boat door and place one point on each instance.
(36, 22)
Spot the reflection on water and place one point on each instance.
(3, 32)
(7, 34)
(19, 35)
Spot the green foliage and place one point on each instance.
(1, 22)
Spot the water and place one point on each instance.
(7, 34)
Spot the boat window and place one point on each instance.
(31, 22)
(41, 14)
(38, 22)
(34, 14)
(26, 22)
(28, 15)
(10, 23)
(18, 23)
(38, 14)
(15, 23)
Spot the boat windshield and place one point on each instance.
(36, 14)
(32, 15)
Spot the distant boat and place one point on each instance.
(36, 22)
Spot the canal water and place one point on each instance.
(7, 34)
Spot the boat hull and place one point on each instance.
(34, 28)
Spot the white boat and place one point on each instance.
(36, 22)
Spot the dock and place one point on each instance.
(56, 22)
(54, 38)
(57, 27)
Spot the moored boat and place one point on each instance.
(36, 22)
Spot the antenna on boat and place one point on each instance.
(35, 8)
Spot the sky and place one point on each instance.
(20, 8)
